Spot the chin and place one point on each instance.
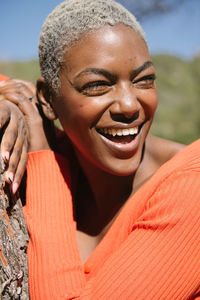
(121, 167)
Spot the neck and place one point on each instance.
(108, 189)
(100, 197)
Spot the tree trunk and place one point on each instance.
(13, 245)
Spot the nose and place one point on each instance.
(126, 104)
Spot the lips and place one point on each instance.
(123, 142)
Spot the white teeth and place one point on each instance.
(125, 132)
(119, 132)
(133, 130)
(114, 132)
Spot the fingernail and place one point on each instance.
(6, 156)
(15, 187)
(10, 177)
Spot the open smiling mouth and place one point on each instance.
(121, 136)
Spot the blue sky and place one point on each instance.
(175, 33)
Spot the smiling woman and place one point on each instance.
(102, 98)
(114, 197)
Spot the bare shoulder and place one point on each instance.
(161, 150)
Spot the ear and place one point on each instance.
(44, 98)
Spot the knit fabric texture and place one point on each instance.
(152, 250)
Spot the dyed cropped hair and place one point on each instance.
(65, 25)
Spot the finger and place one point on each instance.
(9, 137)
(21, 142)
(15, 158)
(17, 86)
(23, 103)
(20, 168)
(14, 84)
(29, 86)
(4, 115)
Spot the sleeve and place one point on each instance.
(160, 259)
(3, 77)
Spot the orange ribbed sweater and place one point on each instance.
(152, 251)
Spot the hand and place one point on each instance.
(14, 143)
(23, 94)
(18, 121)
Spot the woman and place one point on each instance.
(138, 241)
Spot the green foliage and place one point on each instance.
(178, 113)
(22, 70)
(178, 82)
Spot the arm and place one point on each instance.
(159, 258)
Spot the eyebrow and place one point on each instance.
(98, 71)
(145, 66)
(109, 74)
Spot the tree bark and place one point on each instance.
(13, 245)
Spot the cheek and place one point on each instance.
(79, 113)
(88, 111)
(150, 101)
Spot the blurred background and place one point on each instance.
(173, 35)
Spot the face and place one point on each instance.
(108, 98)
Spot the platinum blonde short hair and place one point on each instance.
(65, 25)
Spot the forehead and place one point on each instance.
(107, 45)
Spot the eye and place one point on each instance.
(146, 82)
(95, 88)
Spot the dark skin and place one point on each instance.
(14, 143)
(107, 85)
(108, 82)
(14, 119)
